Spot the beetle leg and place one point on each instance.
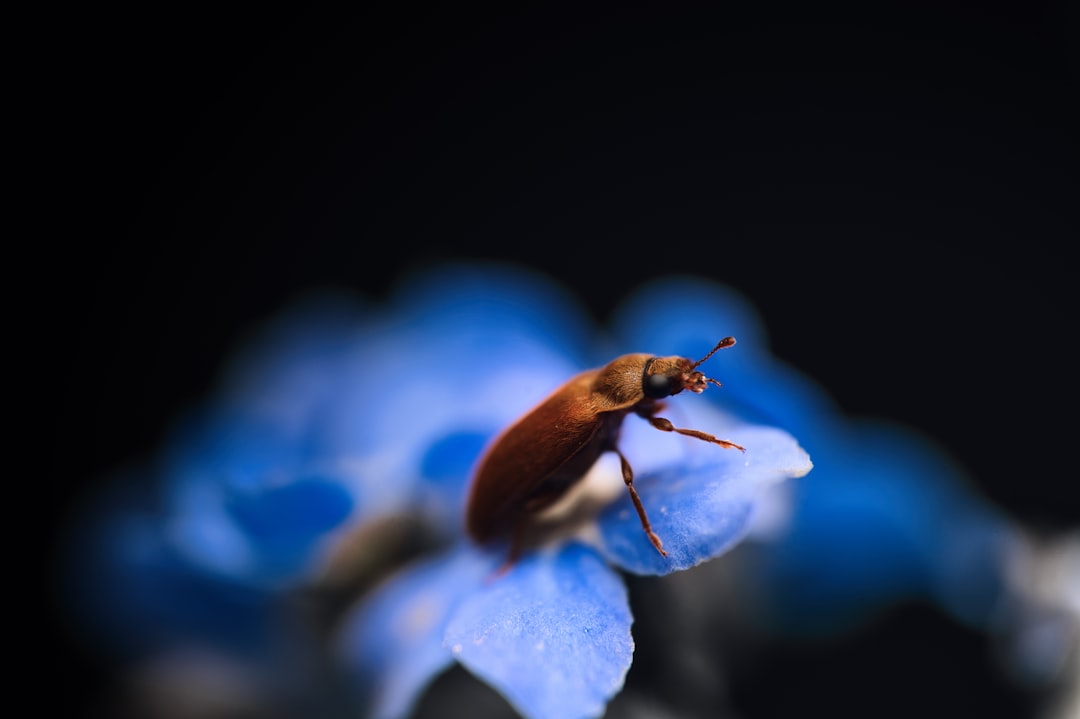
(517, 543)
(628, 478)
(666, 426)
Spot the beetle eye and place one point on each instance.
(656, 386)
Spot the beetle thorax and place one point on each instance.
(618, 383)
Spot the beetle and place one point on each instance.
(533, 463)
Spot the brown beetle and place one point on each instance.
(533, 463)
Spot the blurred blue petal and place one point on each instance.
(441, 491)
(459, 343)
(688, 315)
(334, 391)
(250, 448)
(292, 511)
(134, 594)
(702, 506)
(287, 370)
(289, 520)
(552, 634)
(459, 353)
(393, 642)
(246, 503)
(884, 517)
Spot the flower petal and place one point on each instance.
(701, 506)
(393, 641)
(552, 635)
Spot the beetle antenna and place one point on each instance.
(726, 342)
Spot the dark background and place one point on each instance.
(895, 188)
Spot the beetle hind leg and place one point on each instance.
(513, 554)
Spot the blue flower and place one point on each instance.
(343, 426)
(342, 414)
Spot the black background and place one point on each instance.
(895, 188)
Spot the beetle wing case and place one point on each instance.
(532, 463)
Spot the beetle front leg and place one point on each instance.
(628, 479)
(665, 425)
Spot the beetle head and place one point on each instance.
(666, 376)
